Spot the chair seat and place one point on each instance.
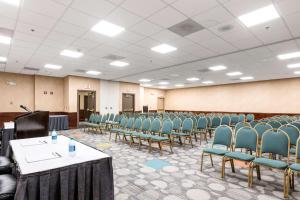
(83, 123)
(145, 136)
(295, 167)
(219, 152)
(115, 130)
(240, 156)
(7, 186)
(159, 138)
(278, 164)
(180, 134)
(136, 134)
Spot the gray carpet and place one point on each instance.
(139, 175)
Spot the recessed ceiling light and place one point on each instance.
(207, 82)
(51, 66)
(296, 65)
(193, 79)
(163, 48)
(162, 87)
(5, 39)
(164, 83)
(146, 85)
(119, 63)
(69, 53)
(247, 78)
(297, 72)
(91, 72)
(234, 73)
(289, 55)
(3, 59)
(11, 2)
(179, 85)
(106, 28)
(217, 68)
(259, 16)
(144, 80)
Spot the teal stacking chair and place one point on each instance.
(246, 138)
(137, 127)
(253, 123)
(225, 120)
(249, 118)
(146, 125)
(185, 132)
(242, 117)
(102, 125)
(283, 121)
(118, 129)
(163, 137)
(201, 128)
(240, 125)
(295, 167)
(293, 133)
(84, 124)
(176, 124)
(262, 127)
(234, 119)
(95, 124)
(297, 124)
(273, 143)
(154, 130)
(215, 122)
(223, 137)
(275, 124)
(128, 127)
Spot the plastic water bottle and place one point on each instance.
(72, 147)
(54, 137)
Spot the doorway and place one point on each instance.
(128, 103)
(86, 104)
(160, 104)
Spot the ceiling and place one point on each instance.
(41, 29)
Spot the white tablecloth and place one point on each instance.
(25, 150)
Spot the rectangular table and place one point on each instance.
(47, 171)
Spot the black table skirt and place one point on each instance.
(85, 181)
(7, 135)
(58, 122)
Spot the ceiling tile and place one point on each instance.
(70, 29)
(77, 18)
(8, 11)
(32, 30)
(7, 23)
(194, 7)
(165, 36)
(167, 17)
(145, 28)
(96, 8)
(143, 8)
(130, 37)
(123, 18)
(32, 18)
(238, 7)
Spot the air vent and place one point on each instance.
(113, 57)
(225, 28)
(186, 27)
(80, 70)
(203, 70)
(32, 69)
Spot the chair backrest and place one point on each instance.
(297, 124)
(146, 124)
(167, 127)
(275, 124)
(283, 121)
(208, 121)
(215, 122)
(298, 151)
(246, 137)
(91, 118)
(234, 119)
(123, 122)
(242, 117)
(155, 125)
(187, 125)
(130, 123)
(223, 136)
(253, 123)
(194, 121)
(262, 127)
(117, 118)
(104, 118)
(176, 123)
(249, 117)
(241, 125)
(275, 143)
(111, 117)
(225, 120)
(138, 124)
(97, 119)
(292, 131)
(202, 123)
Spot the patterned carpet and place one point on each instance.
(139, 175)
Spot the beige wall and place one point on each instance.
(276, 96)
(52, 102)
(151, 96)
(12, 96)
(80, 83)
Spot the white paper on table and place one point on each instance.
(33, 142)
(36, 157)
(9, 125)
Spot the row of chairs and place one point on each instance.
(273, 142)
(101, 123)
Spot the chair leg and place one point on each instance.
(191, 141)
(232, 166)
(150, 146)
(223, 167)
(180, 141)
(160, 148)
(140, 143)
(202, 156)
(285, 184)
(211, 160)
(195, 136)
(116, 137)
(250, 176)
(258, 172)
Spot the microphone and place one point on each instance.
(25, 108)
